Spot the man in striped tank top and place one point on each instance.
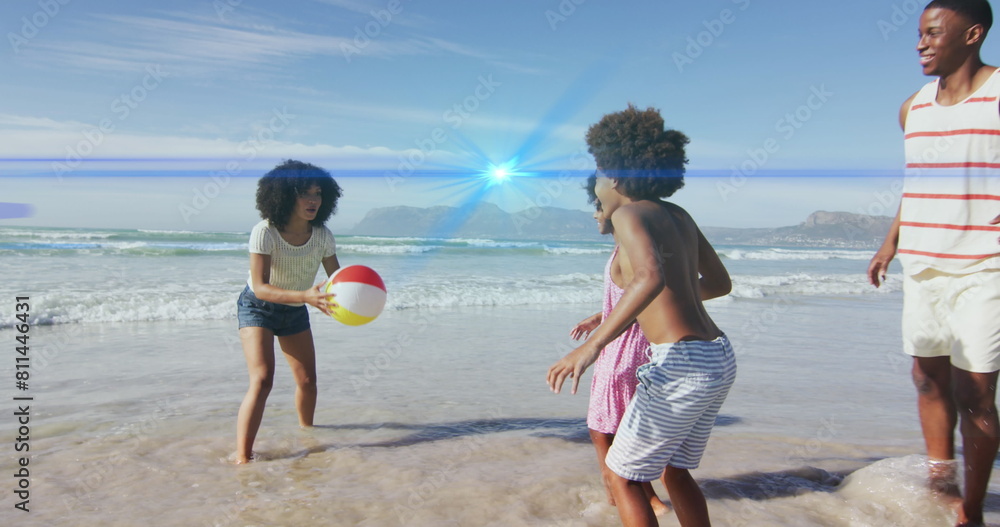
(946, 235)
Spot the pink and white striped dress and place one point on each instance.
(614, 381)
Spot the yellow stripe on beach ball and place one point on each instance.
(359, 294)
(351, 319)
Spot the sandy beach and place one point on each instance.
(446, 420)
(437, 413)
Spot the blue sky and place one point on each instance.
(160, 115)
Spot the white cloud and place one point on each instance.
(402, 15)
(206, 47)
(76, 146)
(357, 6)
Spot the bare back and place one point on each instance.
(671, 249)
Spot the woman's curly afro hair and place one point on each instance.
(278, 190)
(633, 147)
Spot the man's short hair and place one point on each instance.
(976, 11)
(633, 147)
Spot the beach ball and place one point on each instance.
(360, 294)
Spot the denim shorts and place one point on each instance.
(281, 319)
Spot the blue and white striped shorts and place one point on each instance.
(668, 421)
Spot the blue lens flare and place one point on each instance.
(498, 174)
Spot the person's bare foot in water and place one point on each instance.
(659, 508)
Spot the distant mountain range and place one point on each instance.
(482, 220)
(821, 229)
(486, 220)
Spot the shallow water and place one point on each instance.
(442, 417)
(437, 413)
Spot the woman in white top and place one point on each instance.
(286, 249)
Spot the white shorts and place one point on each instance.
(953, 315)
(672, 413)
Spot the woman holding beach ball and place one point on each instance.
(295, 199)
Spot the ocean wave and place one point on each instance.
(578, 250)
(29, 247)
(492, 244)
(421, 239)
(172, 233)
(126, 306)
(573, 288)
(49, 248)
(437, 243)
(804, 284)
(382, 239)
(795, 254)
(386, 249)
(129, 301)
(146, 296)
(57, 235)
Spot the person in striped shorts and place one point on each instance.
(946, 235)
(668, 268)
(613, 380)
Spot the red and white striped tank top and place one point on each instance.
(952, 187)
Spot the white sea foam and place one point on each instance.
(111, 247)
(125, 245)
(128, 276)
(455, 407)
(894, 488)
(130, 301)
(804, 284)
(466, 241)
(156, 231)
(505, 245)
(128, 306)
(578, 250)
(472, 242)
(56, 235)
(387, 239)
(794, 254)
(386, 249)
(452, 401)
(573, 288)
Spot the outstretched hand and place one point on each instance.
(572, 365)
(320, 299)
(879, 265)
(583, 329)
